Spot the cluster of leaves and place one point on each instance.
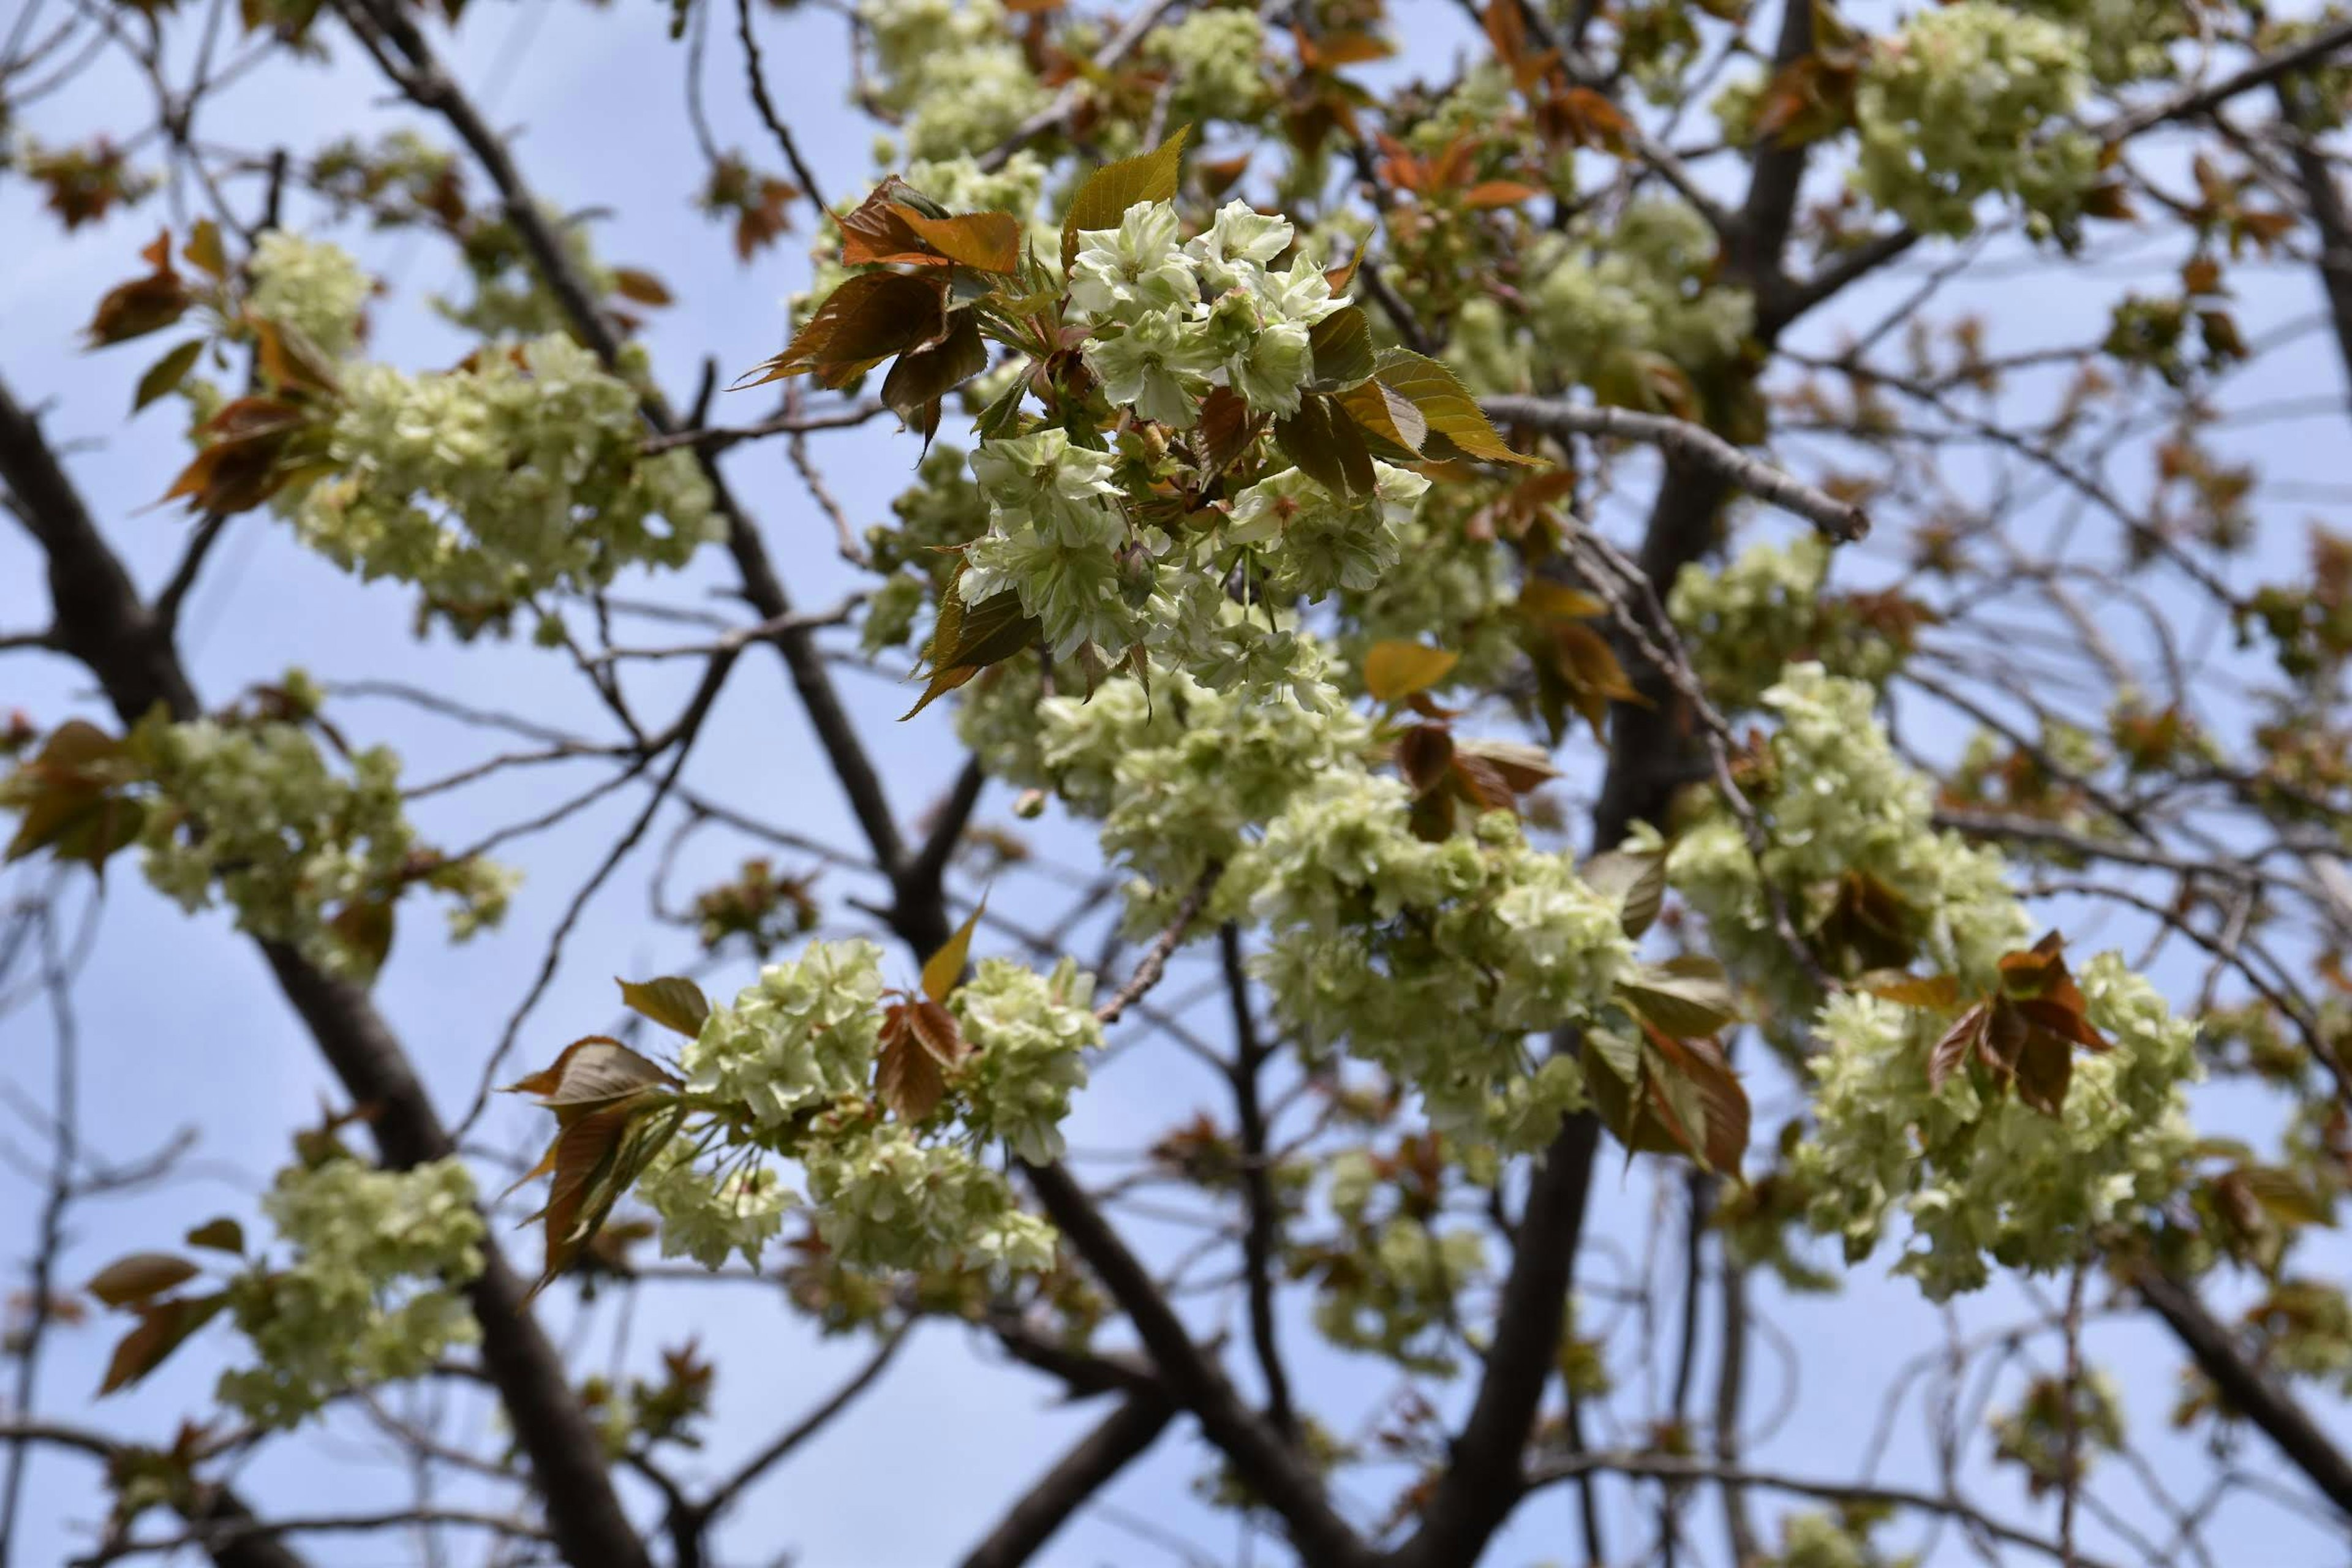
(2022, 1035)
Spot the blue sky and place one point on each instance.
(182, 1027)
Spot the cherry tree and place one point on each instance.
(1647, 666)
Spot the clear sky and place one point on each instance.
(180, 1026)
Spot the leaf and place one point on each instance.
(1394, 669)
(672, 1001)
(166, 373)
(242, 465)
(923, 376)
(1621, 1054)
(919, 1042)
(1725, 1113)
(1451, 412)
(876, 232)
(1935, 991)
(1635, 880)
(1327, 447)
(866, 321)
(1424, 754)
(597, 1157)
(1226, 426)
(1967, 1034)
(988, 242)
(128, 1281)
(968, 638)
(204, 250)
(364, 928)
(222, 1235)
(162, 1327)
(635, 283)
(143, 305)
(1103, 198)
(1388, 417)
(593, 1072)
(1687, 998)
(944, 968)
(2286, 1197)
(1520, 767)
(1499, 193)
(1546, 600)
(1342, 344)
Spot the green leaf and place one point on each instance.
(1636, 879)
(673, 1000)
(968, 638)
(1686, 997)
(127, 1281)
(1103, 200)
(945, 967)
(1621, 1054)
(1457, 426)
(998, 419)
(222, 1235)
(166, 373)
(1342, 342)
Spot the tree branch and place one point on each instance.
(1693, 445)
(2244, 1387)
(1060, 1492)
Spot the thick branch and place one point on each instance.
(1271, 1468)
(2244, 1387)
(1061, 1491)
(99, 618)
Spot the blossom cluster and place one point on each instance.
(1766, 609)
(953, 70)
(518, 474)
(1389, 1285)
(370, 1295)
(1969, 101)
(255, 815)
(1978, 1175)
(1616, 314)
(785, 1071)
(1214, 58)
(1842, 807)
(316, 288)
(1435, 960)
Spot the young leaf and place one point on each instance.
(1387, 419)
(166, 373)
(1342, 345)
(222, 1235)
(128, 1281)
(945, 967)
(924, 375)
(162, 1327)
(987, 242)
(1106, 194)
(1636, 879)
(1966, 1035)
(1326, 446)
(673, 1002)
(919, 1042)
(1394, 669)
(593, 1072)
(866, 321)
(204, 250)
(970, 637)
